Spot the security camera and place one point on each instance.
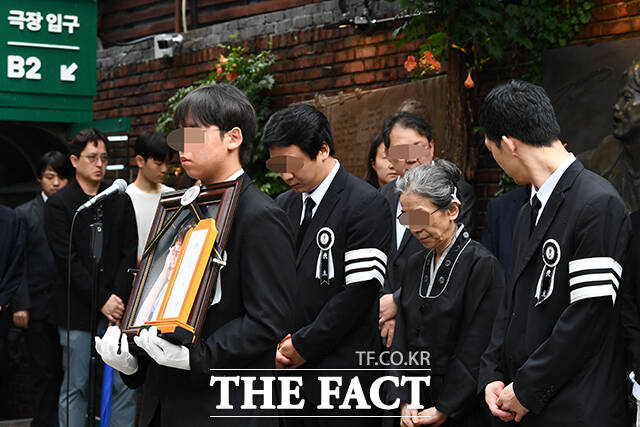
(163, 44)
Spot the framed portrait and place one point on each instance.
(178, 274)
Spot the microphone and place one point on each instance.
(118, 186)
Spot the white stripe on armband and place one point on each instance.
(594, 291)
(364, 276)
(361, 265)
(598, 278)
(595, 263)
(364, 254)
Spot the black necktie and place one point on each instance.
(308, 214)
(535, 208)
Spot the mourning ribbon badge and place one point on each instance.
(551, 258)
(324, 266)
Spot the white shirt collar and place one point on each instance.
(317, 194)
(44, 196)
(237, 174)
(544, 192)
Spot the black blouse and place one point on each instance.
(449, 317)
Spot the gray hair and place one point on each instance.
(437, 182)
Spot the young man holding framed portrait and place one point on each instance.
(242, 329)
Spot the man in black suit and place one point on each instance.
(497, 235)
(11, 258)
(33, 303)
(342, 240)
(631, 308)
(241, 331)
(559, 323)
(89, 157)
(409, 142)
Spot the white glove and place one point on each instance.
(107, 347)
(162, 351)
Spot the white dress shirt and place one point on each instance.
(319, 192)
(237, 174)
(544, 192)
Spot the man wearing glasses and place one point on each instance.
(409, 143)
(89, 156)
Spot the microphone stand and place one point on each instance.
(96, 255)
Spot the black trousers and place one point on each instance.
(45, 360)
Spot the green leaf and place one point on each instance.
(255, 81)
(490, 27)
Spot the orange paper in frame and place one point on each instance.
(186, 278)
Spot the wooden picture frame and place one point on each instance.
(153, 300)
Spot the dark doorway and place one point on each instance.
(21, 146)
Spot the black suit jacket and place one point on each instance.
(399, 255)
(631, 304)
(240, 332)
(11, 259)
(120, 238)
(334, 321)
(502, 213)
(554, 349)
(36, 288)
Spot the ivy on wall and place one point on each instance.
(484, 29)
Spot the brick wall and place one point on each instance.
(610, 19)
(311, 61)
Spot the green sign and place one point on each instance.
(48, 60)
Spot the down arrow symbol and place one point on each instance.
(66, 73)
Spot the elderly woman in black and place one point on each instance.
(450, 294)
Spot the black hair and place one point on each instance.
(372, 176)
(406, 120)
(520, 110)
(220, 105)
(56, 161)
(85, 136)
(301, 125)
(152, 145)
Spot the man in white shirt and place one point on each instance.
(409, 142)
(558, 324)
(341, 243)
(152, 157)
